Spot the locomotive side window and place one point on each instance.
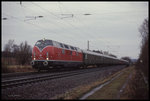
(75, 48)
(61, 45)
(66, 46)
(72, 47)
(57, 44)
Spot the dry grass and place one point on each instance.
(136, 88)
(111, 90)
(9, 66)
(17, 68)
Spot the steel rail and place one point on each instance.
(26, 80)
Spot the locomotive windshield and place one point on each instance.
(43, 43)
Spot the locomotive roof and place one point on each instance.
(58, 44)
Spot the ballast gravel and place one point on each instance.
(50, 88)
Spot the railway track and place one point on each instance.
(27, 80)
(7, 75)
(11, 75)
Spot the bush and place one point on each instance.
(137, 87)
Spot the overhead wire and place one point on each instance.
(53, 15)
(84, 32)
(87, 33)
(59, 18)
(106, 45)
(106, 42)
(70, 38)
(45, 10)
(47, 20)
(53, 23)
(61, 11)
(18, 19)
(81, 23)
(66, 21)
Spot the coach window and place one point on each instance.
(85, 56)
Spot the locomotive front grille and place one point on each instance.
(39, 62)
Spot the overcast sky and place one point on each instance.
(110, 26)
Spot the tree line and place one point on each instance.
(143, 61)
(21, 54)
(139, 84)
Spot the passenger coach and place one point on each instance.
(92, 58)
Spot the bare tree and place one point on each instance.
(15, 48)
(144, 31)
(24, 53)
(143, 60)
(127, 58)
(20, 53)
(8, 48)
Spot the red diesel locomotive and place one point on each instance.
(48, 54)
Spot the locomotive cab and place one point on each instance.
(42, 53)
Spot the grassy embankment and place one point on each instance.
(77, 92)
(111, 90)
(135, 88)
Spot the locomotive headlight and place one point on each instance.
(47, 56)
(34, 56)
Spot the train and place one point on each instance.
(47, 54)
